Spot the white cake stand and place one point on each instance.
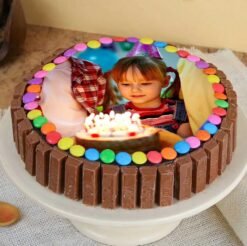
(119, 226)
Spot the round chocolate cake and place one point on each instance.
(71, 141)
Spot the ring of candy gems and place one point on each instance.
(107, 156)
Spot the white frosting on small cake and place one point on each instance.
(112, 125)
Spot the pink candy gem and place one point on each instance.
(193, 58)
(214, 119)
(80, 47)
(40, 74)
(194, 142)
(60, 59)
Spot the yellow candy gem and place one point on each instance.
(48, 67)
(213, 78)
(65, 143)
(77, 150)
(139, 158)
(146, 40)
(34, 114)
(93, 44)
(171, 49)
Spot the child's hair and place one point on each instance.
(150, 68)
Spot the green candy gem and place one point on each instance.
(107, 156)
(222, 103)
(39, 121)
(126, 46)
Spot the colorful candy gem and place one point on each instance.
(29, 97)
(65, 143)
(94, 44)
(49, 67)
(168, 153)
(34, 88)
(48, 127)
(35, 81)
(80, 47)
(211, 128)
(203, 135)
(221, 96)
(222, 103)
(160, 44)
(77, 150)
(139, 158)
(53, 137)
(123, 158)
(106, 40)
(34, 114)
(39, 121)
(183, 53)
(31, 105)
(210, 70)
(133, 40)
(69, 52)
(182, 147)
(60, 59)
(92, 154)
(214, 119)
(219, 111)
(193, 58)
(40, 74)
(171, 49)
(107, 156)
(202, 64)
(146, 41)
(218, 88)
(154, 157)
(194, 142)
(118, 39)
(213, 78)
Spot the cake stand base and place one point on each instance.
(123, 226)
(128, 236)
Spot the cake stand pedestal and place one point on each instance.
(121, 226)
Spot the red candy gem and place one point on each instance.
(118, 39)
(183, 53)
(95, 135)
(219, 111)
(132, 134)
(154, 157)
(218, 88)
(53, 137)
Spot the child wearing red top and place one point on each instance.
(140, 80)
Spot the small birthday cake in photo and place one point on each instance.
(125, 123)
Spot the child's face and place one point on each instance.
(142, 93)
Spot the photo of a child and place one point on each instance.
(140, 80)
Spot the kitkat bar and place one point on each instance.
(110, 186)
(231, 96)
(19, 90)
(32, 140)
(23, 128)
(91, 183)
(221, 138)
(15, 105)
(19, 115)
(211, 147)
(129, 188)
(165, 184)
(227, 126)
(56, 170)
(148, 175)
(220, 74)
(183, 178)
(42, 160)
(232, 116)
(73, 178)
(199, 171)
(226, 83)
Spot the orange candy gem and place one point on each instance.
(203, 135)
(48, 127)
(34, 88)
(210, 70)
(220, 96)
(168, 153)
